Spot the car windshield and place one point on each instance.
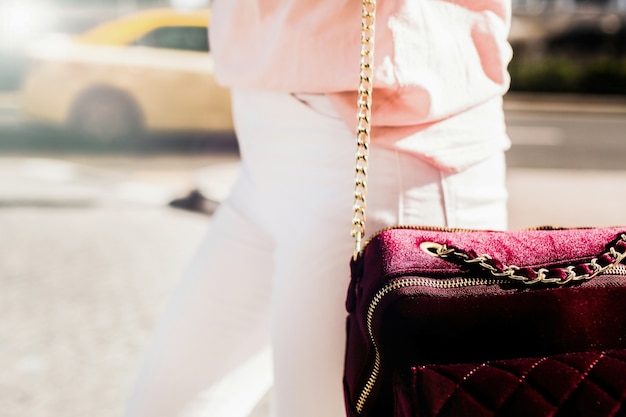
(187, 38)
(129, 29)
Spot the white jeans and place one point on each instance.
(273, 270)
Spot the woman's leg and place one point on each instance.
(303, 160)
(217, 320)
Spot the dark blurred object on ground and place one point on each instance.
(195, 201)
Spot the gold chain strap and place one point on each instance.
(364, 113)
(610, 259)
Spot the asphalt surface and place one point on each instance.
(88, 258)
(84, 274)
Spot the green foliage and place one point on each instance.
(562, 75)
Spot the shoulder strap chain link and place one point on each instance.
(364, 113)
(612, 258)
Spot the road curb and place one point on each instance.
(43, 182)
(565, 103)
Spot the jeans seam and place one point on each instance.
(301, 98)
(400, 182)
(447, 197)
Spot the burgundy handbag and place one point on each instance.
(445, 322)
(481, 323)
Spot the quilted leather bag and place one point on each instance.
(451, 323)
(529, 323)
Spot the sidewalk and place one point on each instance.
(82, 286)
(85, 272)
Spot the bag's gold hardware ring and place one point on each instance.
(612, 258)
(364, 113)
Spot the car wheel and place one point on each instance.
(106, 115)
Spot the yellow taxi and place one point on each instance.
(150, 71)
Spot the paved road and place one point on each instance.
(574, 133)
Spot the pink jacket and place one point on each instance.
(440, 66)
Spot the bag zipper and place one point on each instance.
(431, 283)
(396, 285)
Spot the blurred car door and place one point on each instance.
(150, 71)
(178, 90)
